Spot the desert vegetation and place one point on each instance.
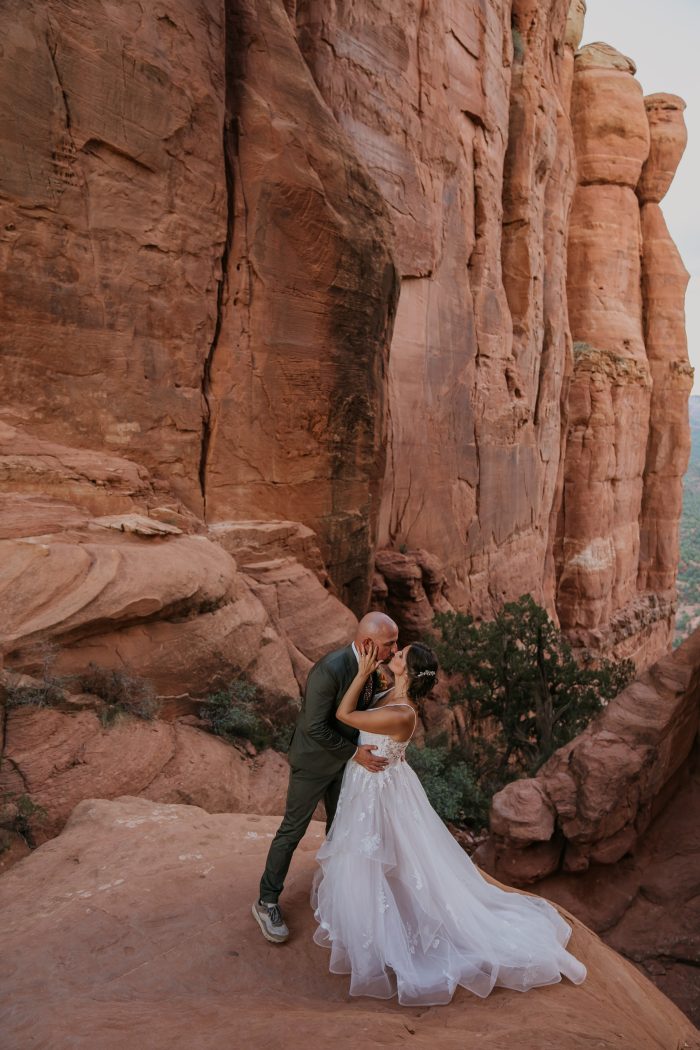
(522, 695)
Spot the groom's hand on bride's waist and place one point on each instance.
(364, 757)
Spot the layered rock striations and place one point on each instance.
(647, 906)
(99, 565)
(60, 756)
(308, 303)
(609, 826)
(196, 264)
(112, 224)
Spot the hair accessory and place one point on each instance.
(422, 674)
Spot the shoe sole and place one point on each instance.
(268, 936)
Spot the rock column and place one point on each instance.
(610, 392)
(664, 280)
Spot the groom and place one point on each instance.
(320, 748)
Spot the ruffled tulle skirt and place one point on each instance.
(404, 911)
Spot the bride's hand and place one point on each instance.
(369, 659)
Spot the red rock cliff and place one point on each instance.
(325, 263)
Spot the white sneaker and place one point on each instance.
(269, 918)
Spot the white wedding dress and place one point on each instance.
(403, 909)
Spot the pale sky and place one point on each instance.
(662, 37)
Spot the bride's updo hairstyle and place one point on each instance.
(422, 667)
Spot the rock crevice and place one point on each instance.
(209, 410)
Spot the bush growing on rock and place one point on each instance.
(46, 690)
(242, 712)
(19, 813)
(450, 784)
(120, 693)
(523, 695)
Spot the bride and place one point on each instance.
(398, 902)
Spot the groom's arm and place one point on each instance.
(319, 711)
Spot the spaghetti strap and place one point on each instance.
(410, 707)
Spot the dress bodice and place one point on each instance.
(386, 747)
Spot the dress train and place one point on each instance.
(405, 911)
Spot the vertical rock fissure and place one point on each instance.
(419, 66)
(53, 47)
(208, 421)
(3, 732)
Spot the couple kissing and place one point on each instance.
(400, 905)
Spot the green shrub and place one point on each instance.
(523, 696)
(229, 713)
(450, 785)
(120, 693)
(242, 711)
(519, 683)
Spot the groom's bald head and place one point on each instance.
(379, 628)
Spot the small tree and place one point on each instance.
(524, 694)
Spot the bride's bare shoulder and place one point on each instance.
(391, 719)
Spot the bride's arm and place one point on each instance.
(392, 721)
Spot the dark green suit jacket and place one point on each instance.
(321, 744)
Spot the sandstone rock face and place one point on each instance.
(99, 561)
(93, 569)
(668, 139)
(108, 118)
(150, 905)
(220, 415)
(295, 379)
(604, 787)
(608, 402)
(34, 469)
(411, 588)
(179, 299)
(539, 179)
(426, 99)
(221, 220)
(284, 570)
(58, 758)
(647, 906)
(172, 608)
